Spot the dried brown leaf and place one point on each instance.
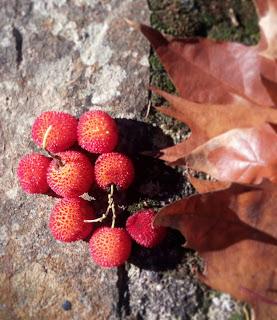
(239, 155)
(235, 232)
(209, 120)
(208, 71)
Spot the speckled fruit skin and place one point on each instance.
(63, 133)
(97, 132)
(110, 247)
(74, 177)
(32, 171)
(67, 220)
(114, 168)
(140, 227)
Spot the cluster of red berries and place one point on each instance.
(71, 173)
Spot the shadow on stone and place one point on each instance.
(123, 305)
(155, 185)
(164, 257)
(137, 136)
(154, 179)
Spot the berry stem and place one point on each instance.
(44, 142)
(114, 215)
(45, 137)
(111, 207)
(103, 217)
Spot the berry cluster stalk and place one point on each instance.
(111, 207)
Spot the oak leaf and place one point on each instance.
(234, 230)
(206, 121)
(239, 155)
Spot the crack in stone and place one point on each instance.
(123, 306)
(18, 45)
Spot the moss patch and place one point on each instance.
(233, 20)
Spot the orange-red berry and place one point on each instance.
(97, 132)
(67, 220)
(110, 247)
(114, 168)
(71, 174)
(141, 229)
(32, 171)
(62, 135)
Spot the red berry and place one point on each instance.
(32, 171)
(63, 133)
(114, 168)
(141, 229)
(72, 175)
(67, 220)
(97, 132)
(110, 247)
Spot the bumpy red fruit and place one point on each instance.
(67, 220)
(114, 168)
(32, 171)
(62, 135)
(71, 174)
(110, 247)
(97, 132)
(140, 228)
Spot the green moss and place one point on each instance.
(156, 22)
(224, 32)
(237, 316)
(246, 30)
(144, 203)
(135, 207)
(221, 27)
(158, 5)
(155, 64)
(159, 79)
(206, 18)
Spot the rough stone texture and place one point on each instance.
(76, 55)
(72, 56)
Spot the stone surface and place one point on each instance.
(74, 56)
(71, 56)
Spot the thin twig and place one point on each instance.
(114, 215)
(148, 110)
(103, 217)
(111, 207)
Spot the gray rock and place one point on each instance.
(71, 56)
